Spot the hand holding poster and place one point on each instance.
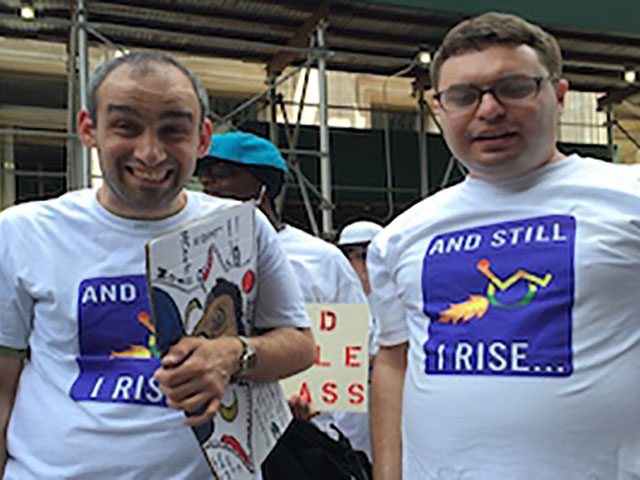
(203, 282)
(338, 379)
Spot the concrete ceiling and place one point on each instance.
(380, 37)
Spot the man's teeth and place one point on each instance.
(152, 176)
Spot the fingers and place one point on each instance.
(188, 398)
(300, 408)
(194, 376)
(179, 352)
(172, 377)
(181, 387)
(205, 416)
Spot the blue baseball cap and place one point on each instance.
(259, 156)
(247, 149)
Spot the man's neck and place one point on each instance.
(265, 206)
(134, 212)
(557, 155)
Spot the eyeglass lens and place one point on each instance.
(220, 169)
(507, 90)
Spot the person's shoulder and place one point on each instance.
(605, 175)
(299, 243)
(291, 232)
(208, 203)
(340, 282)
(67, 204)
(308, 241)
(417, 217)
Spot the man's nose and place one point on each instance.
(489, 107)
(149, 149)
(209, 184)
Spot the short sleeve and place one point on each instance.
(349, 288)
(384, 300)
(280, 302)
(16, 305)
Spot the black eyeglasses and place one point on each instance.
(465, 97)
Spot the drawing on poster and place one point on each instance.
(203, 282)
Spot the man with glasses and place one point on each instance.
(509, 339)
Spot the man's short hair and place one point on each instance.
(492, 29)
(142, 63)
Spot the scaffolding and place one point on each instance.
(309, 42)
(79, 158)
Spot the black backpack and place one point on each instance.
(304, 452)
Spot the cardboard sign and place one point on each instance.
(338, 380)
(203, 281)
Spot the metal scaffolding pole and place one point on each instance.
(85, 177)
(292, 159)
(422, 145)
(273, 111)
(610, 122)
(73, 179)
(325, 159)
(7, 171)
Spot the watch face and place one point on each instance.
(249, 357)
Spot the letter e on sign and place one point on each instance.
(351, 356)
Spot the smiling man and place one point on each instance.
(92, 398)
(506, 304)
(148, 130)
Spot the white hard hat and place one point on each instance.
(358, 232)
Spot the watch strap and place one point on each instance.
(248, 358)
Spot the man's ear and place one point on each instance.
(86, 128)
(561, 91)
(204, 138)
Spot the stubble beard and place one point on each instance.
(140, 202)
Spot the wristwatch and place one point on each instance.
(248, 358)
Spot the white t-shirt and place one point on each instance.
(323, 272)
(326, 276)
(72, 289)
(519, 303)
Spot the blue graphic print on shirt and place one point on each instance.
(499, 299)
(118, 354)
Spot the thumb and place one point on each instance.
(179, 352)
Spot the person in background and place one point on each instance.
(241, 165)
(507, 304)
(74, 298)
(353, 241)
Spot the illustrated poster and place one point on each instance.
(203, 282)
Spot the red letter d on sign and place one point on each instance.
(327, 320)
